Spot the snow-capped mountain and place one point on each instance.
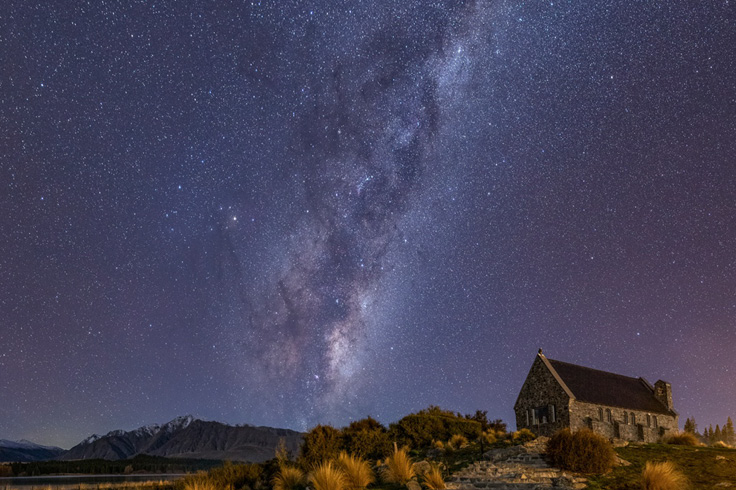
(187, 437)
(24, 451)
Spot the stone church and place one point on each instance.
(557, 395)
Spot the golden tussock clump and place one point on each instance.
(398, 468)
(662, 476)
(289, 478)
(358, 473)
(200, 485)
(457, 441)
(327, 476)
(433, 479)
(681, 439)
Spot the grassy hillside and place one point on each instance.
(705, 467)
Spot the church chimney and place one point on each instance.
(663, 393)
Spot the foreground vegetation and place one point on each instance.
(366, 454)
(703, 467)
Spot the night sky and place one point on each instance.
(287, 213)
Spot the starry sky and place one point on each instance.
(296, 212)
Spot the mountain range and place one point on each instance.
(183, 437)
(25, 451)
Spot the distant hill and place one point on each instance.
(26, 451)
(187, 437)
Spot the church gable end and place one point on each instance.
(542, 405)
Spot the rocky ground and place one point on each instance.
(514, 468)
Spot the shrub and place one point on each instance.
(721, 444)
(358, 473)
(522, 436)
(289, 478)
(681, 439)
(418, 430)
(457, 441)
(438, 445)
(398, 468)
(327, 476)
(367, 438)
(584, 451)
(321, 443)
(662, 476)
(433, 479)
(489, 436)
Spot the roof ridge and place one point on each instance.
(597, 370)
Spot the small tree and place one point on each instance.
(690, 425)
(728, 432)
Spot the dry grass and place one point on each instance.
(398, 468)
(438, 445)
(358, 473)
(289, 478)
(457, 441)
(433, 479)
(584, 451)
(681, 439)
(722, 445)
(327, 476)
(662, 476)
(200, 485)
(134, 485)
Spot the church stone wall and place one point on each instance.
(621, 424)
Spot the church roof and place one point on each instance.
(604, 388)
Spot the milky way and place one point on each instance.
(291, 213)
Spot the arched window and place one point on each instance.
(600, 414)
(633, 418)
(609, 416)
(649, 420)
(655, 422)
(626, 418)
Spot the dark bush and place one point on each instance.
(322, 443)
(367, 438)
(583, 451)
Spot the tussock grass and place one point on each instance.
(681, 439)
(398, 467)
(457, 441)
(433, 479)
(327, 476)
(200, 485)
(584, 451)
(662, 476)
(358, 473)
(289, 478)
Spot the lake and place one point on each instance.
(83, 482)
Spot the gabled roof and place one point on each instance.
(604, 388)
